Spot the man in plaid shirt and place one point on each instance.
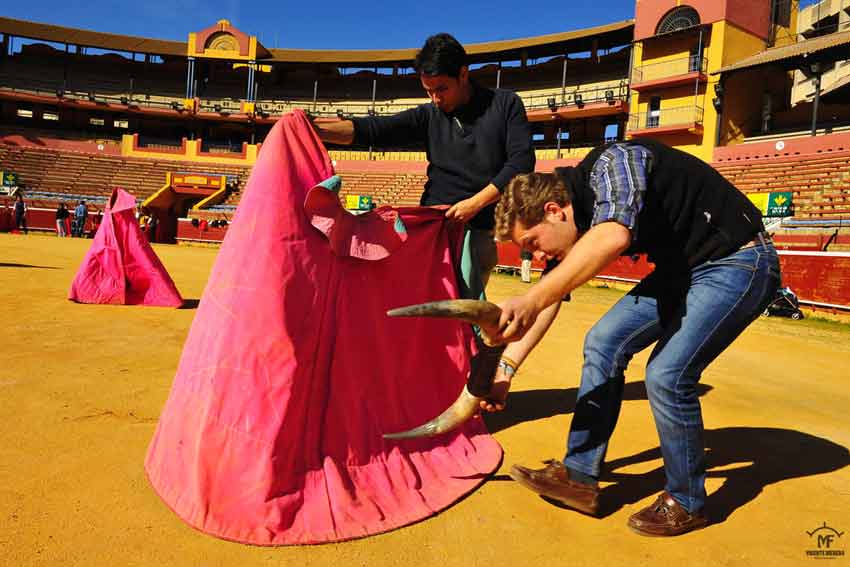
(715, 271)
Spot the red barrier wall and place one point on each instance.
(45, 219)
(186, 231)
(509, 256)
(819, 278)
(822, 278)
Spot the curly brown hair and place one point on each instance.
(523, 200)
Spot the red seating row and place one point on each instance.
(820, 186)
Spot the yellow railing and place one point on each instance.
(664, 69)
(563, 153)
(666, 117)
(360, 155)
(583, 94)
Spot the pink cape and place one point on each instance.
(120, 267)
(291, 373)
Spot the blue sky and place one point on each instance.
(328, 24)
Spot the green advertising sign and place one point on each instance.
(773, 204)
(779, 204)
(365, 202)
(9, 179)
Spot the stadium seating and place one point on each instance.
(820, 186)
(69, 176)
(80, 175)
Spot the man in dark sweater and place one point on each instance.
(476, 140)
(715, 271)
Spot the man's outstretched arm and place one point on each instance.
(334, 131)
(590, 255)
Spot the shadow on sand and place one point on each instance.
(8, 265)
(747, 458)
(532, 405)
(751, 458)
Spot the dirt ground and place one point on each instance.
(81, 388)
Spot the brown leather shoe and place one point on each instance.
(666, 517)
(553, 481)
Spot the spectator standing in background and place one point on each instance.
(21, 213)
(81, 212)
(152, 225)
(62, 215)
(525, 265)
(97, 218)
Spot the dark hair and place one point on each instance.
(442, 54)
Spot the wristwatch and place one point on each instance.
(507, 368)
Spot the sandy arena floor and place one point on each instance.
(81, 388)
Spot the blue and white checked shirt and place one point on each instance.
(618, 178)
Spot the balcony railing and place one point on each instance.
(665, 69)
(612, 92)
(666, 118)
(604, 93)
(221, 105)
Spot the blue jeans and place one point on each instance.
(693, 317)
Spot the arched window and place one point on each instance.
(677, 19)
(222, 41)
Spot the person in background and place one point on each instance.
(153, 223)
(97, 218)
(20, 213)
(525, 265)
(81, 212)
(62, 215)
(144, 218)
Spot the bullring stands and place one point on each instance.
(52, 175)
(820, 185)
(70, 175)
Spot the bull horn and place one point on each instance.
(482, 313)
(461, 410)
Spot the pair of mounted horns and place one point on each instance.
(481, 313)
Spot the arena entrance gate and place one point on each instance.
(181, 193)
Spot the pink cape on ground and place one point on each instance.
(291, 373)
(120, 267)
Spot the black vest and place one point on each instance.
(691, 213)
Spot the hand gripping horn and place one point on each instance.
(482, 367)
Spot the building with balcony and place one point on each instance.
(223, 86)
(677, 47)
(823, 18)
